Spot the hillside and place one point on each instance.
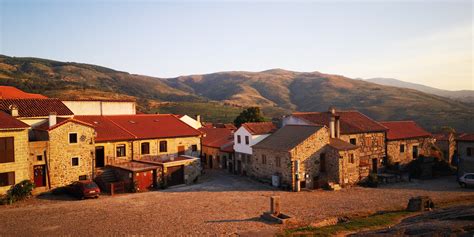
(224, 94)
(462, 95)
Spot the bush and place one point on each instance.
(372, 181)
(18, 192)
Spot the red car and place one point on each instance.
(84, 189)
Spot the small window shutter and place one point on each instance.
(3, 150)
(10, 149)
(11, 178)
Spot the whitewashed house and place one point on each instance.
(245, 137)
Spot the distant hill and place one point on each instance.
(461, 95)
(224, 94)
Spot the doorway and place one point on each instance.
(181, 150)
(39, 175)
(99, 157)
(374, 165)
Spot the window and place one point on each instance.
(145, 148)
(83, 177)
(194, 147)
(7, 150)
(247, 140)
(469, 151)
(353, 141)
(72, 138)
(39, 158)
(239, 140)
(163, 146)
(402, 148)
(415, 152)
(278, 161)
(264, 159)
(7, 179)
(121, 152)
(322, 162)
(75, 161)
(351, 158)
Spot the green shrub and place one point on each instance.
(372, 181)
(18, 192)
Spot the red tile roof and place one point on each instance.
(9, 122)
(9, 92)
(404, 129)
(140, 126)
(258, 128)
(35, 107)
(287, 138)
(216, 137)
(466, 137)
(59, 122)
(350, 121)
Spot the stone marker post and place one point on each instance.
(275, 205)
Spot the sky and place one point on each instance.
(425, 42)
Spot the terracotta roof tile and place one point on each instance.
(404, 129)
(350, 121)
(59, 122)
(10, 92)
(466, 137)
(258, 128)
(216, 137)
(35, 107)
(288, 137)
(9, 122)
(140, 126)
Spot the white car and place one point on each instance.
(467, 180)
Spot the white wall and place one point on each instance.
(253, 139)
(101, 107)
(191, 122)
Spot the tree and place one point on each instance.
(252, 114)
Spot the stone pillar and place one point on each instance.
(275, 205)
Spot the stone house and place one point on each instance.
(465, 149)
(406, 141)
(245, 137)
(14, 165)
(447, 143)
(215, 148)
(352, 127)
(68, 152)
(304, 156)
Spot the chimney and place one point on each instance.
(332, 126)
(14, 111)
(332, 110)
(198, 118)
(52, 119)
(338, 127)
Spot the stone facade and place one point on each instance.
(371, 146)
(342, 167)
(306, 155)
(395, 155)
(192, 169)
(21, 164)
(62, 171)
(133, 148)
(220, 159)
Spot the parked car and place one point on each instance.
(466, 180)
(84, 189)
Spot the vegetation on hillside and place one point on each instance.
(252, 114)
(215, 96)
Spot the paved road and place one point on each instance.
(221, 204)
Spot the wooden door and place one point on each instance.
(39, 175)
(181, 150)
(175, 175)
(99, 157)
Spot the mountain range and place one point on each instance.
(220, 96)
(460, 95)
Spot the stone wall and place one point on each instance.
(21, 164)
(192, 169)
(394, 156)
(371, 146)
(61, 152)
(133, 148)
